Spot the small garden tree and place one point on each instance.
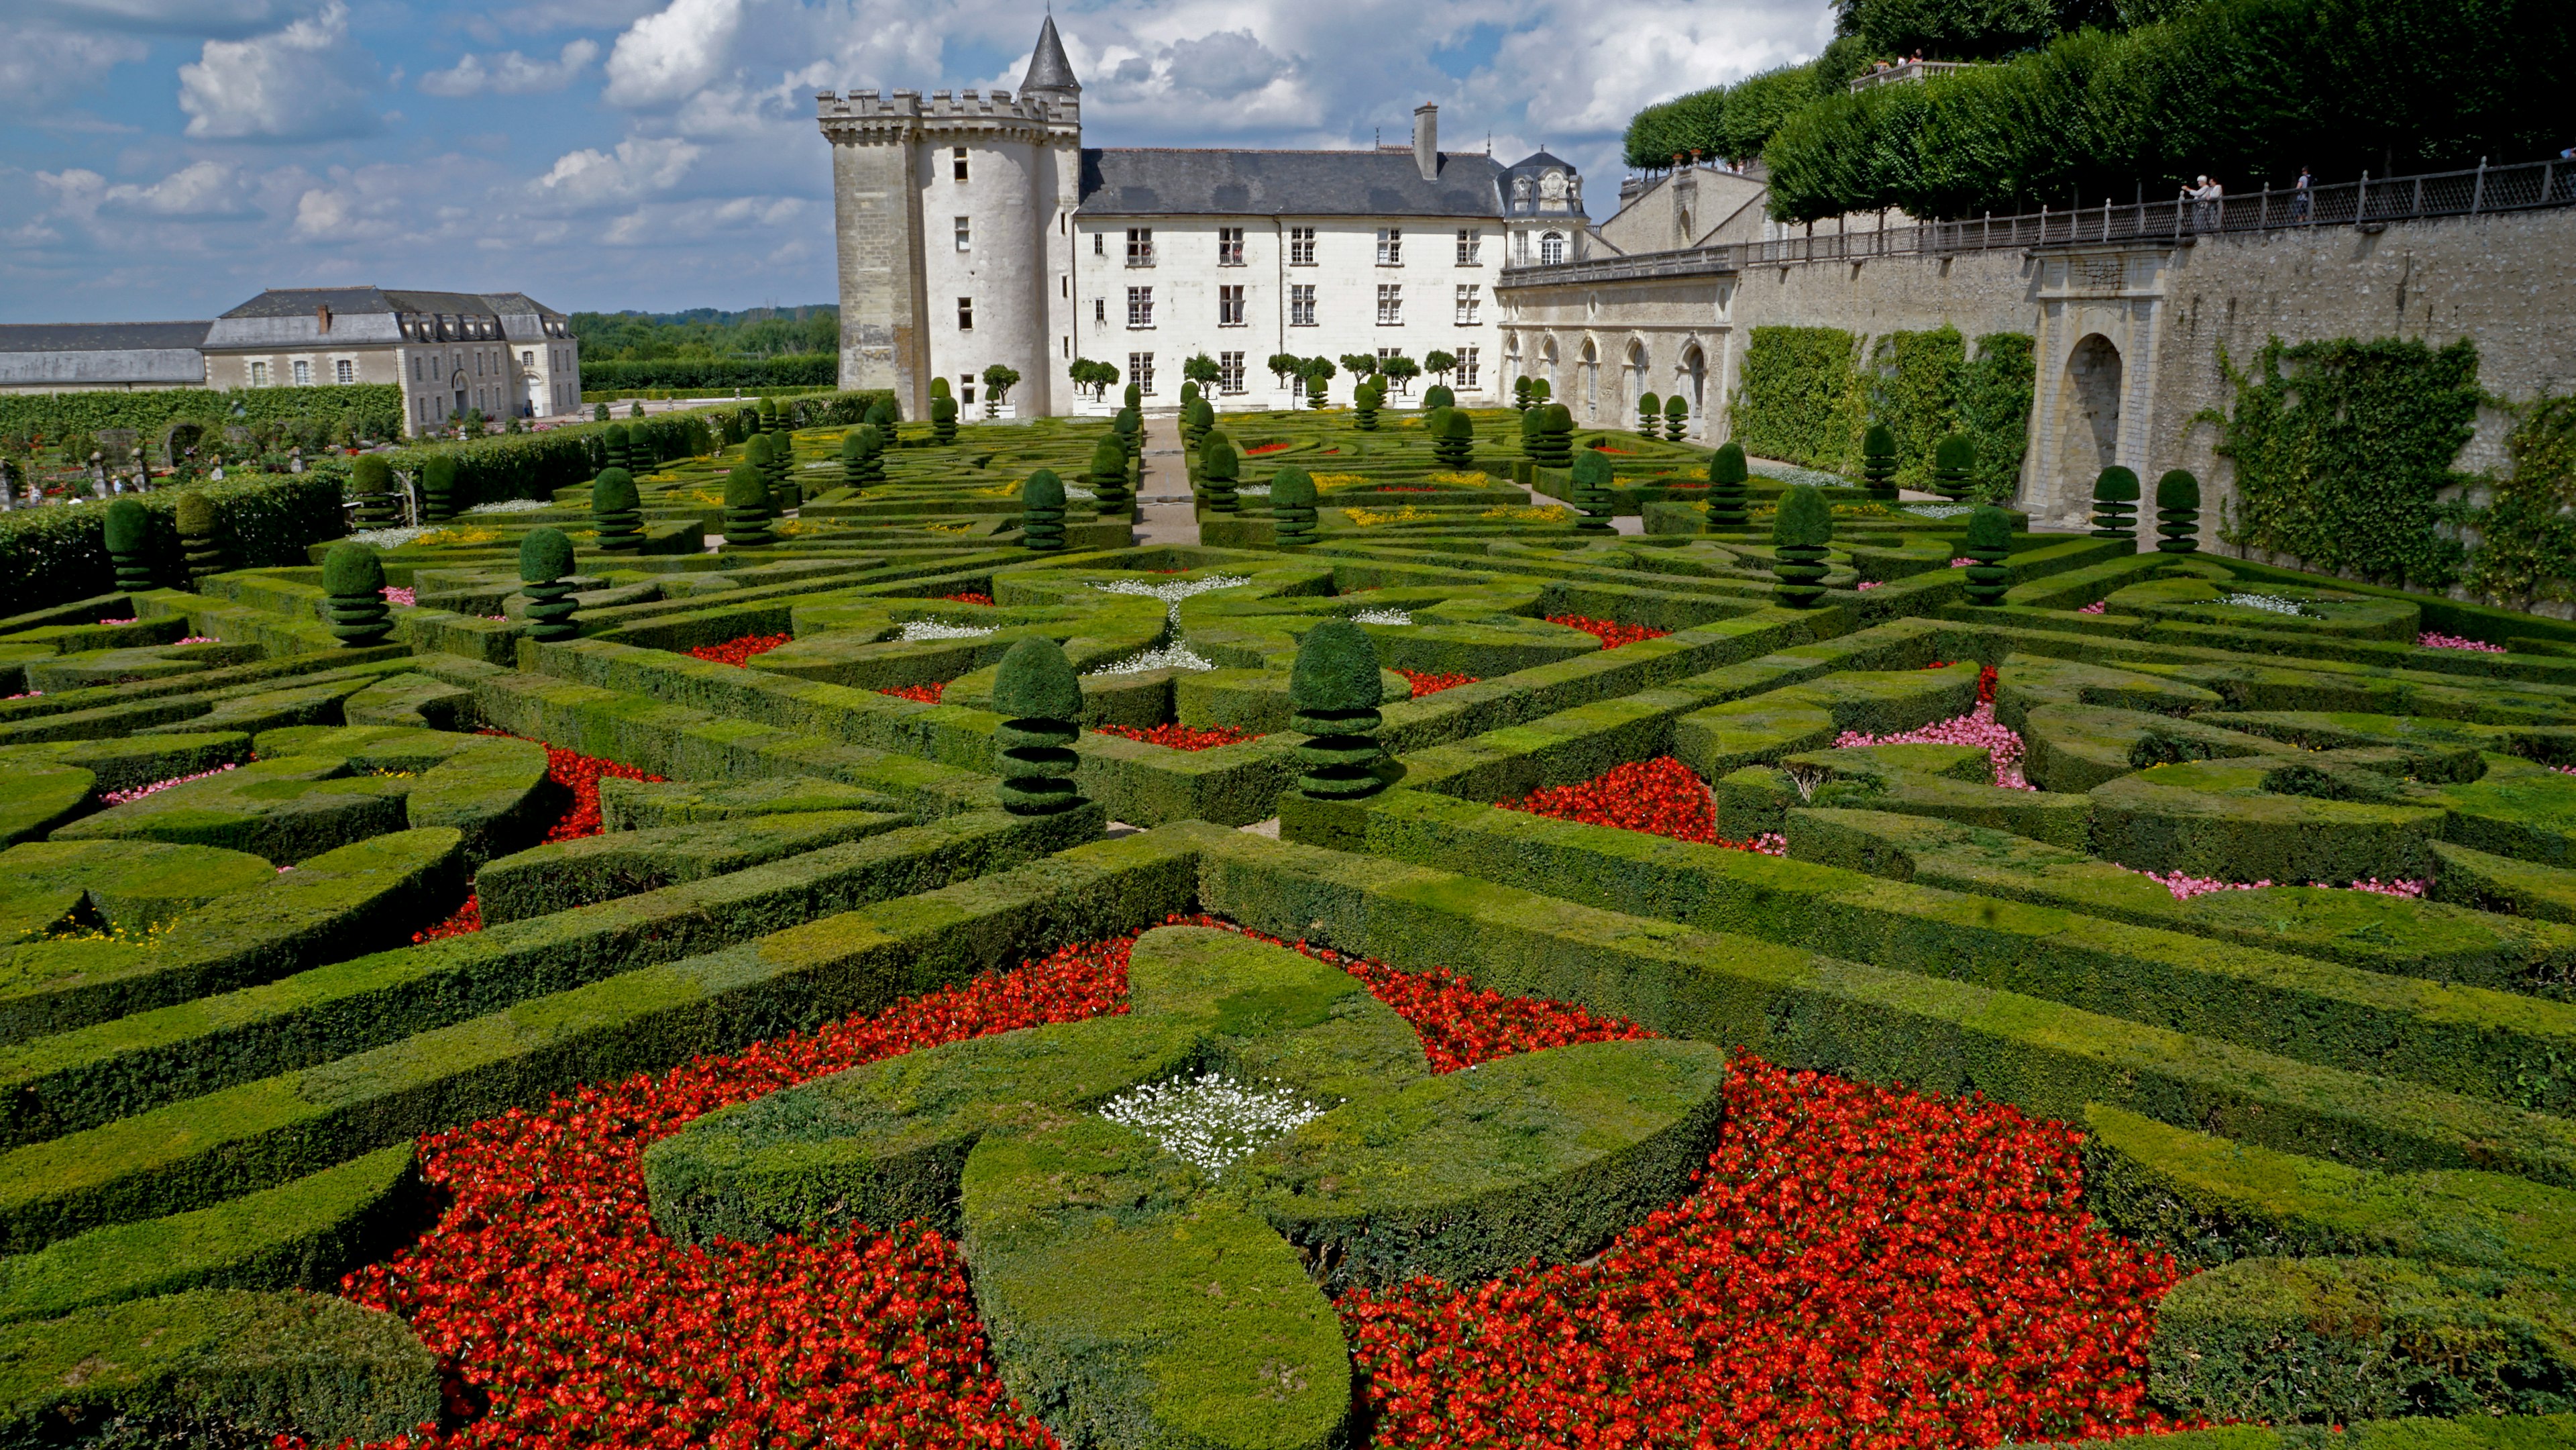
(1439, 364)
(1360, 364)
(1287, 367)
(998, 382)
(1202, 370)
(1319, 377)
(1400, 370)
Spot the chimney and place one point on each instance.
(1426, 141)
(322, 315)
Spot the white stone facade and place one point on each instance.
(450, 351)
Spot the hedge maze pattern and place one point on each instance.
(2265, 883)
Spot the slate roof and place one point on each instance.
(1048, 68)
(355, 301)
(101, 336)
(1155, 181)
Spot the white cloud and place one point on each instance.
(308, 82)
(200, 191)
(511, 74)
(755, 219)
(666, 57)
(1225, 64)
(221, 19)
(640, 166)
(41, 66)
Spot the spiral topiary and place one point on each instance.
(1727, 502)
(2178, 513)
(1366, 399)
(1954, 466)
(1799, 534)
(1555, 436)
(129, 543)
(613, 443)
(617, 511)
(1989, 543)
(881, 417)
(1133, 397)
(755, 456)
(746, 522)
(1533, 422)
(200, 536)
(784, 491)
(599, 413)
(1650, 414)
(1042, 511)
(1521, 398)
(1292, 508)
(1039, 699)
(943, 419)
(2115, 504)
(1592, 478)
(1453, 436)
(873, 441)
(1108, 478)
(1219, 467)
(1676, 417)
(1198, 416)
(1438, 395)
(371, 483)
(1333, 692)
(353, 595)
(854, 458)
(438, 488)
(545, 558)
(1318, 391)
(1129, 425)
(1878, 462)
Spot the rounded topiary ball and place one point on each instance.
(352, 571)
(545, 556)
(1954, 466)
(1333, 689)
(129, 541)
(438, 487)
(2178, 512)
(1989, 543)
(1799, 533)
(1592, 480)
(1036, 682)
(194, 514)
(1292, 488)
(2115, 504)
(614, 491)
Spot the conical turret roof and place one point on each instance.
(1048, 68)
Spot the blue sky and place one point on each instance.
(168, 158)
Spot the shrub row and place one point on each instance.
(58, 553)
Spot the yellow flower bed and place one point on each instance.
(455, 538)
(1327, 482)
(1463, 480)
(1536, 514)
(1405, 515)
(948, 528)
(1003, 491)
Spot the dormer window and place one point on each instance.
(1551, 249)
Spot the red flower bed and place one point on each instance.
(1431, 682)
(580, 774)
(739, 651)
(1611, 633)
(1261, 448)
(1985, 680)
(464, 921)
(1661, 797)
(926, 694)
(970, 597)
(1179, 737)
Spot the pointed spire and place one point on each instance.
(1048, 68)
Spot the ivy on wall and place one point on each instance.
(149, 410)
(2526, 549)
(1806, 399)
(1800, 399)
(2344, 450)
(1993, 407)
(1914, 390)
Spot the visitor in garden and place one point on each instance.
(2301, 197)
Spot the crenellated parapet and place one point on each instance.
(863, 117)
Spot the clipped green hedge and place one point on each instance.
(1800, 399)
(786, 370)
(2472, 1432)
(561, 875)
(147, 411)
(58, 553)
(533, 465)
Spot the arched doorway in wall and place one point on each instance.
(1512, 368)
(1633, 385)
(1692, 378)
(2088, 417)
(1591, 381)
(1547, 366)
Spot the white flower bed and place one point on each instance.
(390, 538)
(1939, 510)
(512, 506)
(1160, 657)
(1252, 490)
(1211, 1120)
(2268, 603)
(1792, 473)
(1175, 591)
(1084, 494)
(1382, 616)
(922, 631)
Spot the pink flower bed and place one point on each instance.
(2431, 640)
(2185, 886)
(121, 797)
(1961, 563)
(405, 597)
(1977, 728)
(2096, 607)
(1869, 584)
(201, 639)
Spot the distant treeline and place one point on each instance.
(705, 332)
(794, 370)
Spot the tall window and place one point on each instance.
(1140, 246)
(965, 314)
(1467, 306)
(1229, 372)
(1551, 249)
(1100, 310)
(303, 373)
(1467, 366)
(1470, 243)
(1140, 371)
(965, 389)
(1229, 246)
(957, 162)
(1229, 307)
(1301, 305)
(1390, 246)
(1100, 244)
(527, 359)
(259, 375)
(1140, 307)
(1390, 305)
(965, 235)
(415, 367)
(1301, 246)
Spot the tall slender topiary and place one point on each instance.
(872, 446)
(1292, 508)
(1318, 390)
(1954, 466)
(371, 482)
(1108, 478)
(2178, 513)
(200, 537)
(545, 558)
(1039, 699)
(1366, 399)
(1799, 533)
(1989, 543)
(1453, 437)
(746, 523)
(1133, 397)
(438, 488)
(129, 543)
(613, 442)
(1533, 422)
(784, 491)
(353, 595)
(1878, 462)
(617, 511)
(755, 456)
(1042, 511)
(1676, 418)
(943, 419)
(1219, 467)
(1556, 436)
(1592, 477)
(1129, 425)
(1650, 414)
(1726, 494)
(2115, 504)
(1520, 395)
(1198, 418)
(1333, 694)
(854, 458)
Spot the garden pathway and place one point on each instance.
(1170, 515)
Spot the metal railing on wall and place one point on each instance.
(2481, 190)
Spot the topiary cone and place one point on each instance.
(1799, 533)
(1042, 511)
(129, 543)
(1108, 477)
(784, 493)
(943, 419)
(617, 511)
(438, 488)
(199, 537)
(1726, 493)
(1533, 422)
(2115, 504)
(854, 458)
(1878, 461)
(1365, 401)
(613, 443)
(1650, 411)
(747, 514)
(1040, 700)
(2178, 513)
(1676, 417)
(1592, 479)
(1954, 466)
(1556, 436)
(1989, 543)
(1219, 468)
(353, 595)
(371, 482)
(545, 557)
(1333, 692)
(1292, 508)
(1453, 436)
